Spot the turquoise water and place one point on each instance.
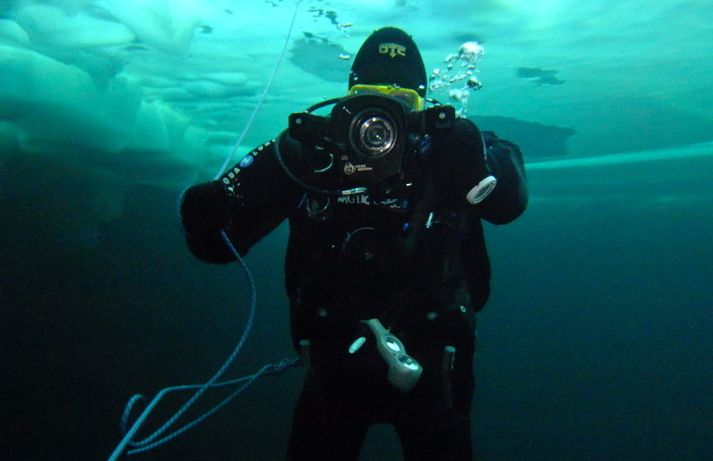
(596, 343)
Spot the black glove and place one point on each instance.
(204, 208)
(461, 165)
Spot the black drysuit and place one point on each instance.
(413, 257)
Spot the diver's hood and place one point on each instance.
(389, 56)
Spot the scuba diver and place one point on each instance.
(386, 264)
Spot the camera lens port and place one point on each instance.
(373, 133)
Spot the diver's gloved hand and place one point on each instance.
(204, 208)
(462, 170)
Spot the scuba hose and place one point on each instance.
(128, 444)
(158, 438)
(262, 97)
(291, 175)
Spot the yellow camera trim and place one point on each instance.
(407, 95)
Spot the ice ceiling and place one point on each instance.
(160, 88)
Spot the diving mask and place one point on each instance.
(407, 96)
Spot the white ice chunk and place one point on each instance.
(56, 104)
(52, 109)
(228, 78)
(70, 7)
(224, 138)
(211, 90)
(95, 45)
(48, 26)
(150, 133)
(167, 25)
(11, 32)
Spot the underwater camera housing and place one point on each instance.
(369, 138)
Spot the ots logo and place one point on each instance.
(392, 49)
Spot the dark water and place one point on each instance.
(597, 343)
